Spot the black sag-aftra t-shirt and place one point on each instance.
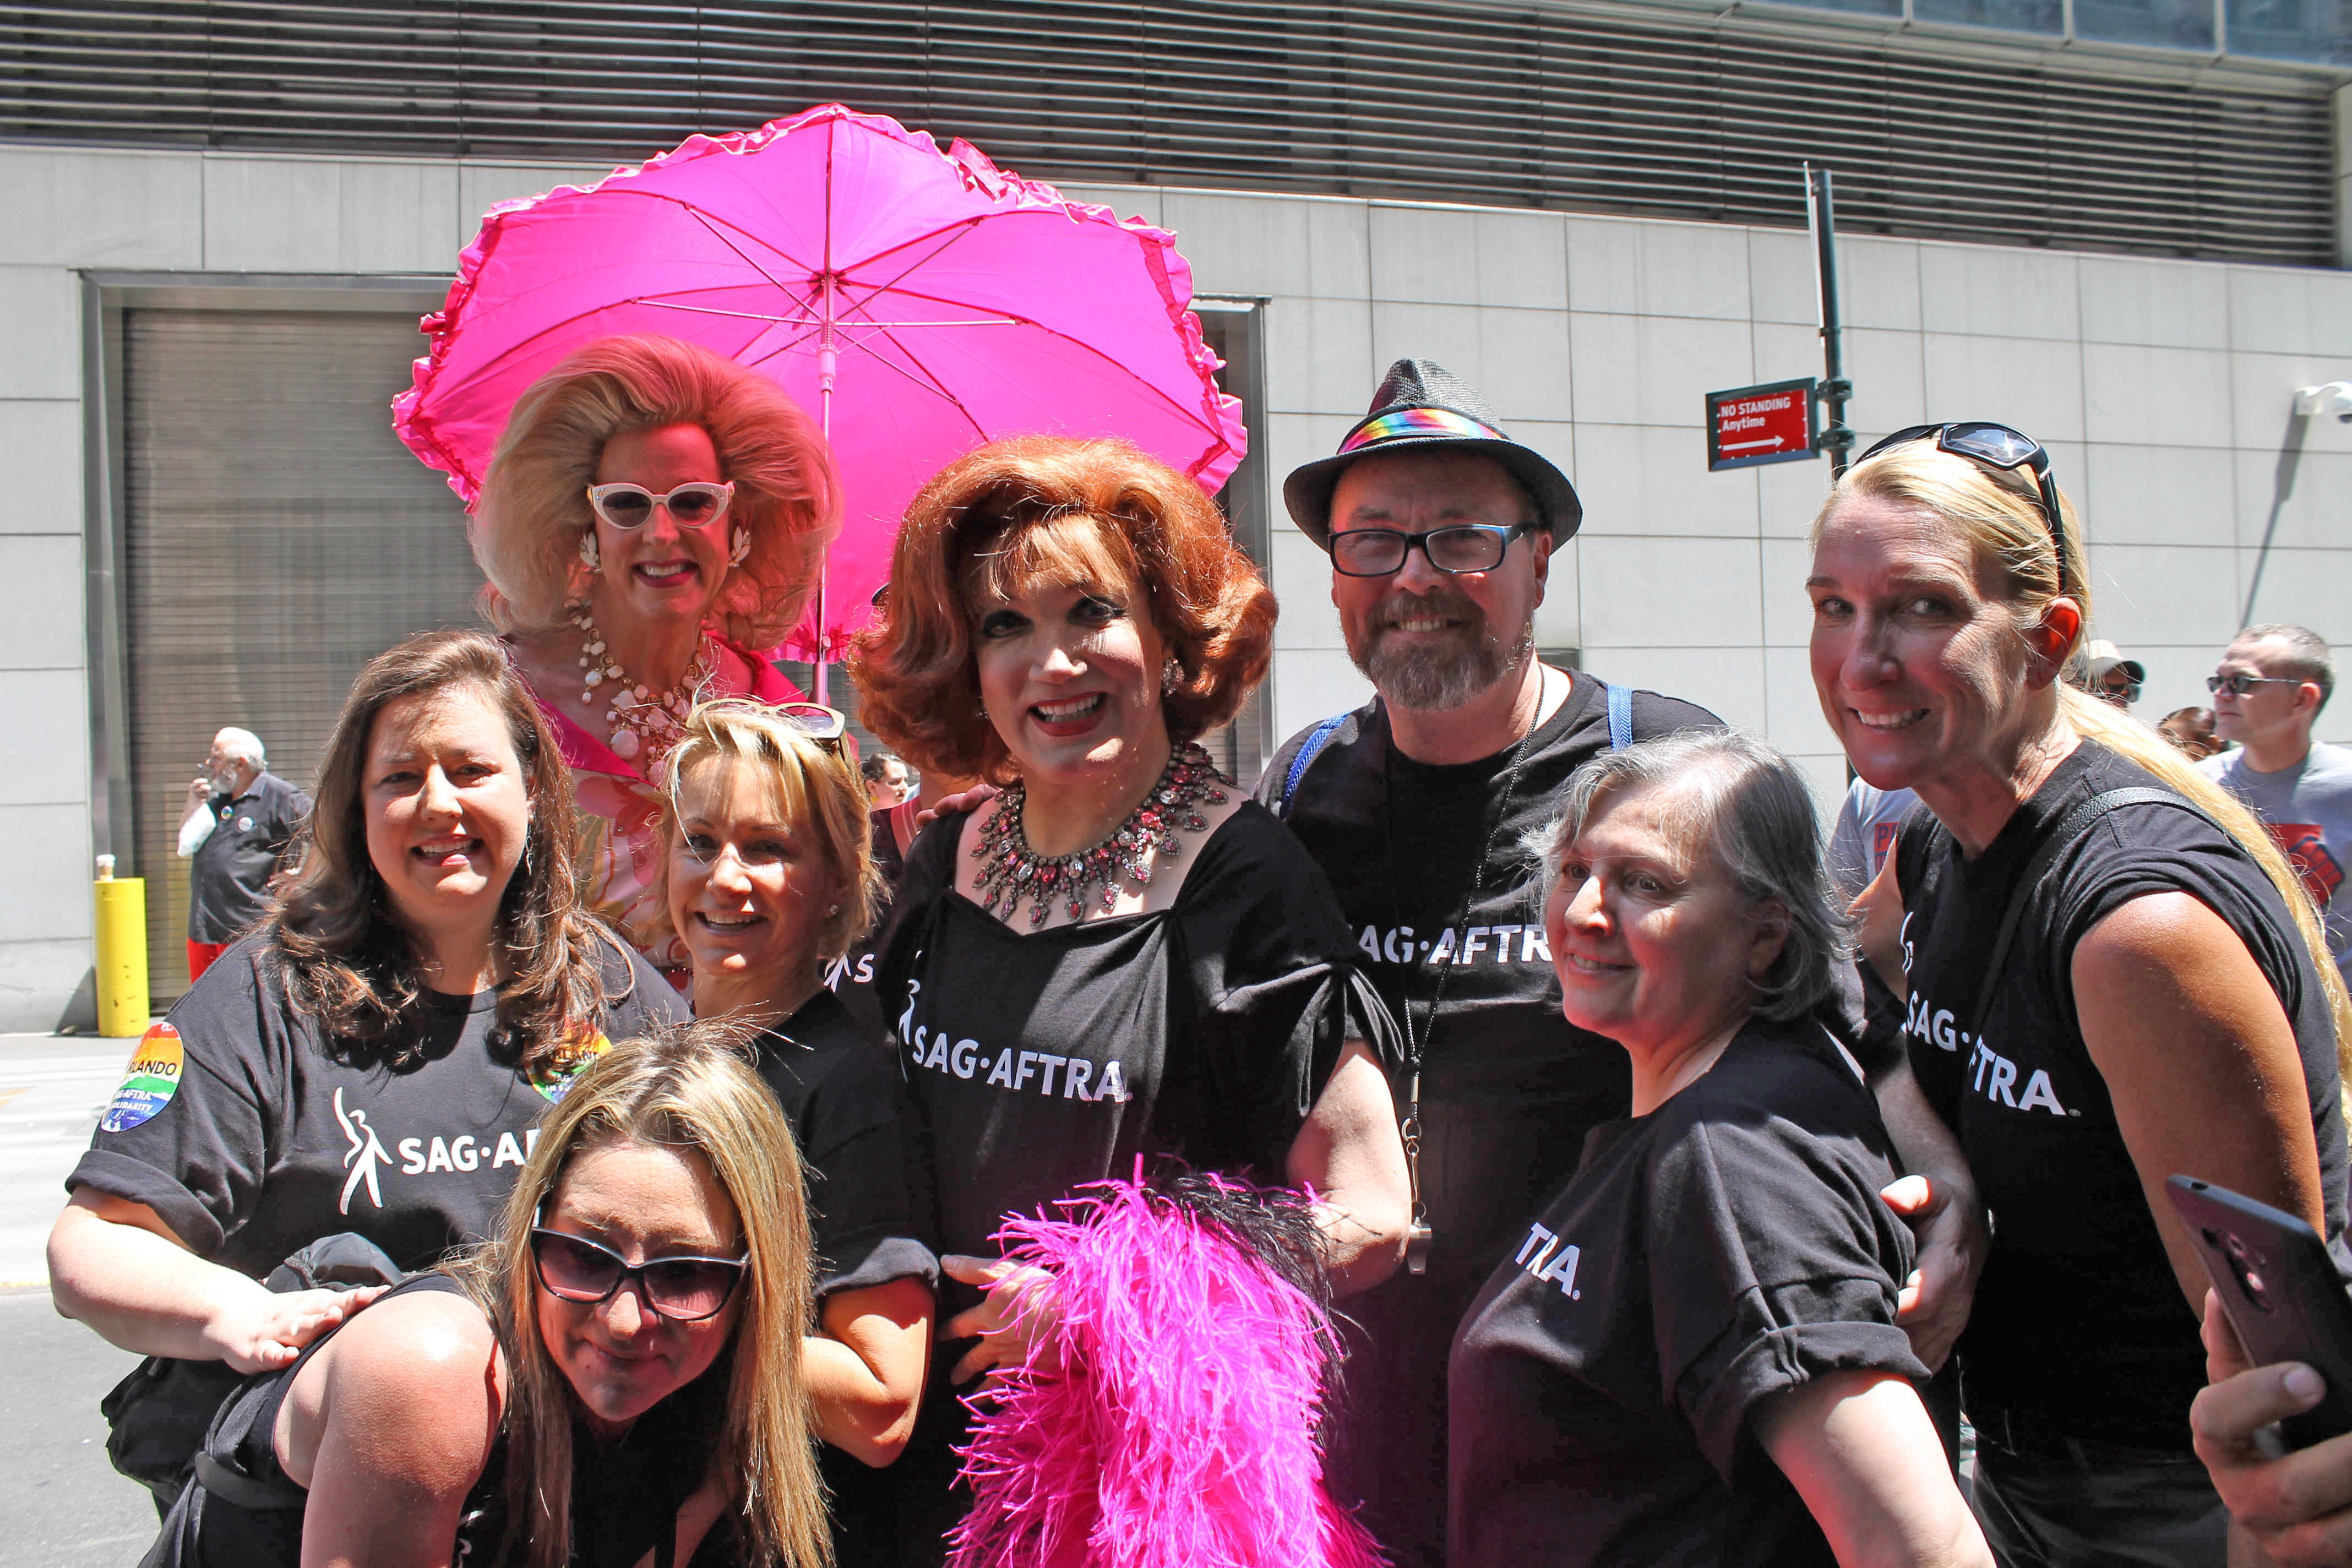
(252, 1135)
(1726, 1248)
(868, 1211)
(1044, 1060)
(1508, 1087)
(851, 976)
(2079, 1321)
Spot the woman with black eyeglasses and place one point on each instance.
(653, 514)
(617, 1378)
(770, 879)
(2109, 973)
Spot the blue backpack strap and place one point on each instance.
(1620, 715)
(1307, 749)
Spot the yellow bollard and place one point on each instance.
(122, 952)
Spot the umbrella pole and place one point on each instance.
(828, 360)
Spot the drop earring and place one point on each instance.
(1170, 675)
(588, 554)
(735, 557)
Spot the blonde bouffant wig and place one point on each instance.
(533, 511)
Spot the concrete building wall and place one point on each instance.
(2163, 390)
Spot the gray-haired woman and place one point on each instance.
(1693, 1355)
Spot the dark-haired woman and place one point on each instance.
(1119, 955)
(376, 1057)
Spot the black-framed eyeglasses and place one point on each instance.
(1996, 447)
(682, 1290)
(2240, 685)
(1457, 547)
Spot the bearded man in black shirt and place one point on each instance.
(1440, 530)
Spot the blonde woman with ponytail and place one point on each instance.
(617, 1379)
(2164, 1002)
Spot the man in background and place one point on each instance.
(239, 819)
(2268, 692)
(2109, 675)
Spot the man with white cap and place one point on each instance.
(2108, 674)
(1441, 531)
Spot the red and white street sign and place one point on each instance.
(1751, 424)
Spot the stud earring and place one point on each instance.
(1170, 674)
(742, 547)
(830, 911)
(588, 555)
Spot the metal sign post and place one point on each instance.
(1820, 216)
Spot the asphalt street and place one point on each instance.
(61, 1505)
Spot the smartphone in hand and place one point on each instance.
(2281, 1291)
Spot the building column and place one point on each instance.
(2344, 175)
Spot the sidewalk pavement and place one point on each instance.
(52, 1088)
(63, 1506)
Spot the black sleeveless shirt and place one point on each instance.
(2079, 1323)
(625, 1496)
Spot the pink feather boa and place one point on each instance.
(1179, 1429)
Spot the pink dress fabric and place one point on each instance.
(618, 852)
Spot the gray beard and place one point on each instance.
(1432, 680)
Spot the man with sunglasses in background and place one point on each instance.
(2108, 676)
(1441, 531)
(2268, 692)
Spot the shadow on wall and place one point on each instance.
(2282, 486)
(80, 1017)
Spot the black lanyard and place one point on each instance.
(1419, 1239)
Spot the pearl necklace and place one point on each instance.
(639, 721)
(1015, 871)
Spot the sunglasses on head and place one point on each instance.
(2242, 684)
(813, 720)
(1996, 447)
(682, 1290)
(696, 504)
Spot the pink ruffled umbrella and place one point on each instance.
(922, 302)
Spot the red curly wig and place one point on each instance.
(1044, 509)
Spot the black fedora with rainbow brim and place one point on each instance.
(1421, 406)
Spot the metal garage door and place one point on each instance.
(276, 537)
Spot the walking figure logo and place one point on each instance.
(366, 1153)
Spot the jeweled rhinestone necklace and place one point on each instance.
(1015, 871)
(639, 721)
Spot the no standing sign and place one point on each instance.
(1751, 424)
